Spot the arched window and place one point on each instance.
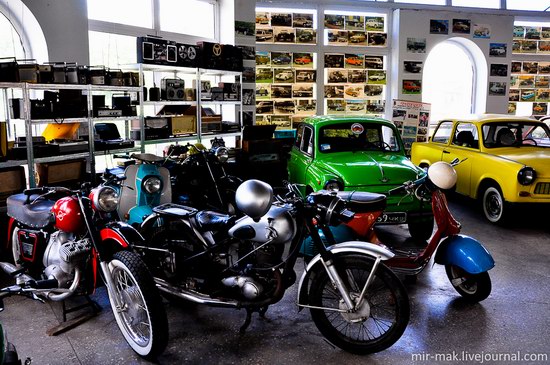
(10, 41)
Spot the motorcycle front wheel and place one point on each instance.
(141, 318)
(473, 287)
(377, 324)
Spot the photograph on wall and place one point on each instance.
(423, 121)
(264, 107)
(283, 75)
(281, 91)
(249, 74)
(513, 95)
(337, 76)
(497, 49)
(302, 91)
(544, 47)
(516, 67)
(262, 18)
(516, 46)
(353, 60)
(373, 91)
(334, 60)
(264, 75)
(336, 106)
(416, 45)
(263, 58)
(281, 58)
(412, 67)
(281, 121)
(281, 19)
(263, 92)
(532, 33)
(284, 35)
(302, 20)
(544, 67)
(377, 39)
(527, 95)
(497, 88)
(353, 91)
(374, 23)
(499, 69)
(482, 30)
(306, 107)
(542, 95)
(284, 107)
(530, 67)
(514, 81)
(302, 60)
(376, 77)
(376, 106)
(519, 31)
(337, 37)
(263, 119)
(246, 29)
(249, 97)
(439, 26)
(411, 87)
(540, 108)
(334, 91)
(334, 21)
(545, 33)
(526, 81)
(357, 38)
(374, 62)
(249, 52)
(308, 36)
(306, 75)
(355, 22)
(542, 81)
(459, 26)
(355, 107)
(512, 107)
(398, 117)
(357, 76)
(264, 35)
(528, 46)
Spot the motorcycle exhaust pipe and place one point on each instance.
(10, 269)
(194, 297)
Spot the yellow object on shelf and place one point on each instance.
(60, 131)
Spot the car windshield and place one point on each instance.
(355, 136)
(516, 134)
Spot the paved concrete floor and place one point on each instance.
(514, 318)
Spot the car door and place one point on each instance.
(464, 145)
(302, 154)
(439, 141)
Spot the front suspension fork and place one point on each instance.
(109, 283)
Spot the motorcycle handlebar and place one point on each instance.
(408, 185)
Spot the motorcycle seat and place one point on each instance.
(35, 213)
(208, 220)
(362, 201)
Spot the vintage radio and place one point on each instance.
(155, 50)
(107, 137)
(13, 182)
(116, 77)
(131, 79)
(124, 104)
(82, 72)
(182, 124)
(59, 74)
(97, 75)
(231, 90)
(206, 89)
(190, 94)
(71, 104)
(188, 55)
(71, 73)
(220, 56)
(8, 70)
(216, 94)
(45, 74)
(61, 172)
(231, 126)
(172, 89)
(154, 127)
(28, 70)
(40, 109)
(211, 124)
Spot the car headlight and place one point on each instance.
(333, 185)
(105, 199)
(152, 184)
(526, 175)
(222, 154)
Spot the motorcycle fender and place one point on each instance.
(137, 213)
(122, 233)
(10, 231)
(350, 247)
(464, 252)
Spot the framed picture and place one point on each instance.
(301, 20)
(498, 69)
(377, 39)
(416, 45)
(411, 87)
(482, 31)
(461, 26)
(497, 49)
(413, 67)
(281, 19)
(497, 88)
(333, 21)
(439, 26)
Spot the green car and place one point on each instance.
(363, 154)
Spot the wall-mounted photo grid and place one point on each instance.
(354, 84)
(283, 27)
(529, 85)
(531, 40)
(285, 87)
(355, 30)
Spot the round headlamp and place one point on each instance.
(106, 199)
(152, 184)
(222, 154)
(333, 185)
(526, 175)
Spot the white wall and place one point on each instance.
(416, 24)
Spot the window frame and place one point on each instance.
(456, 131)
(450, 133)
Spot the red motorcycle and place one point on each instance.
(465, 259)
(65, 238)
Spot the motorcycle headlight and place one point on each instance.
(333, 185)
(222, 154)
(152, 184)
(105, 199)
(526, 175)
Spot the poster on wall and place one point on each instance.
(416, 45)
(438, 26)
(482, 31)
(412, 120)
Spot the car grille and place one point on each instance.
(542, 188)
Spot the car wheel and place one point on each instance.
(494, 206)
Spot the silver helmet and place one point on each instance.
(442, 174)
(253, 198)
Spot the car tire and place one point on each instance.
(494, 206)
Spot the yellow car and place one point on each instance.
(506, 160)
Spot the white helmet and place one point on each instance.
(442, 174)
(254, 198)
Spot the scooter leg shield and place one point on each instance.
(466, 253)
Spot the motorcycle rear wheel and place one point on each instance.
(474, 288)
(388, 300)
(142, 319)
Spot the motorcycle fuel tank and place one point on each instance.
(277, 224)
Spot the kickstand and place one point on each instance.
(247, 321)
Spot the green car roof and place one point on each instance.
(319, 121)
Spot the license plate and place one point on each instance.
(392, 218)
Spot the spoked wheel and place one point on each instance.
(141, 316)
(473, 287)
(377, 324)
